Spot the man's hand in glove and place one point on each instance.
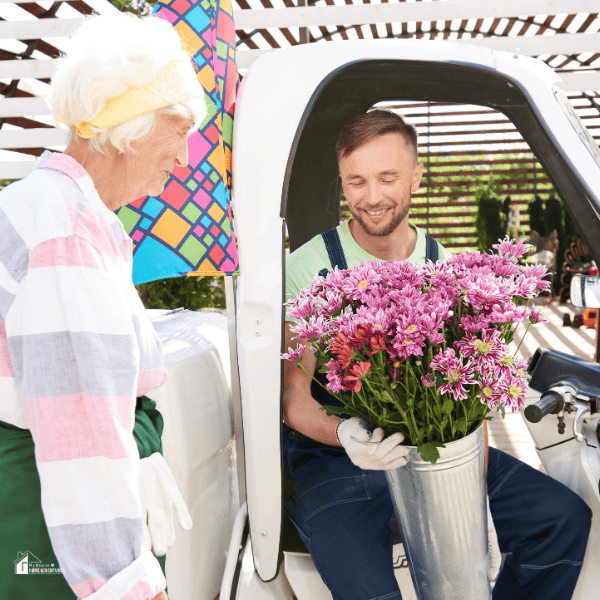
(162, 502)
(493, 548)
(369, 450)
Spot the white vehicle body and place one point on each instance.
(291, 106)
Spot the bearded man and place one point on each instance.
(340, 501)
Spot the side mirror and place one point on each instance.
(585, 291)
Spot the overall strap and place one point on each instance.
(431, 249)
(334, 248)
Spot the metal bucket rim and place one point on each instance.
(415, 457)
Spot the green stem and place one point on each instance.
(528, 326)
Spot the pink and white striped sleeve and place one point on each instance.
(78, 353)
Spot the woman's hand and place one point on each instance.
(161, 596)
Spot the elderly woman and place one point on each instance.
(76, 348)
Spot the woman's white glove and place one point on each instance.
(367, 450)
(161, 501)
(493, 547)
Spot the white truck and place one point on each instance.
(222, 398)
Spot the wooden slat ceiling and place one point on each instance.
(448, 131)
(16, 88)
(466, 29)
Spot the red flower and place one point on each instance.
(361, 335)
(352, 379)
(342, 350)
(345, 356)
(338, 343)
(377, 342)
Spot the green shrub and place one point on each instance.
(489, 221)
(187, 292)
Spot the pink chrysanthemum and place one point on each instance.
(485, 350)
(457, 377)
(300, 308)
(483, 292)
(509, 313)
(473, 324)
(312, 329)
(334, 376)
(508, 247)
(535, 316)
(526, 287)
(490, 391)
(503, 366)
(428, 380)
(296, 354)
(512, 392)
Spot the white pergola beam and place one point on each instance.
(23, 107)
(582, 81)
(33, 138)
(362, 14)
(365, 14)
(37, 29)
(18, 69)
(535, 45)
(16, 169)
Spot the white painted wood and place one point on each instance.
(535, 45)
(405, 12)
(561, 43)
(23, 107)
(17, 69)
(33, 138)
(39, 28)
(100, 6)
(584, 81)
(244, 58)
(16, 169)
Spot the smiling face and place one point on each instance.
(151, 159)
(378, 178)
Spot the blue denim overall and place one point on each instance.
(342, 514)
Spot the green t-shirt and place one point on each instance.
(304, 264)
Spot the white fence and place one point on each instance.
(360, 14)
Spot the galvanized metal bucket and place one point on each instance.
(442, 515)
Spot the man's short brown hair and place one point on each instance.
(372, 124)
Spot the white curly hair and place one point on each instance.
(108, 54)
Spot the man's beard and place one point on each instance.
(393, 225)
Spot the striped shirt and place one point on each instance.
(75, 351)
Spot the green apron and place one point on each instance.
(28, 566)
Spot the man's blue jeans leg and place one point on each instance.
(343, 514)
(542, 525)
(351, 544)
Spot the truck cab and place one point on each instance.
(291, 107)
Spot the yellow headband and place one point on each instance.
(165, 90)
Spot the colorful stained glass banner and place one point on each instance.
(187, 230)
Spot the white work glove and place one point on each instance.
(367, 450)
(162, 501)
(493, 547)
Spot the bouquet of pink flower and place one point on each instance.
(422, 349)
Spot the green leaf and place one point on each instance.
(461, 425)
(447, 406)
(437, 412)
(429, 451)
(334, 410)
